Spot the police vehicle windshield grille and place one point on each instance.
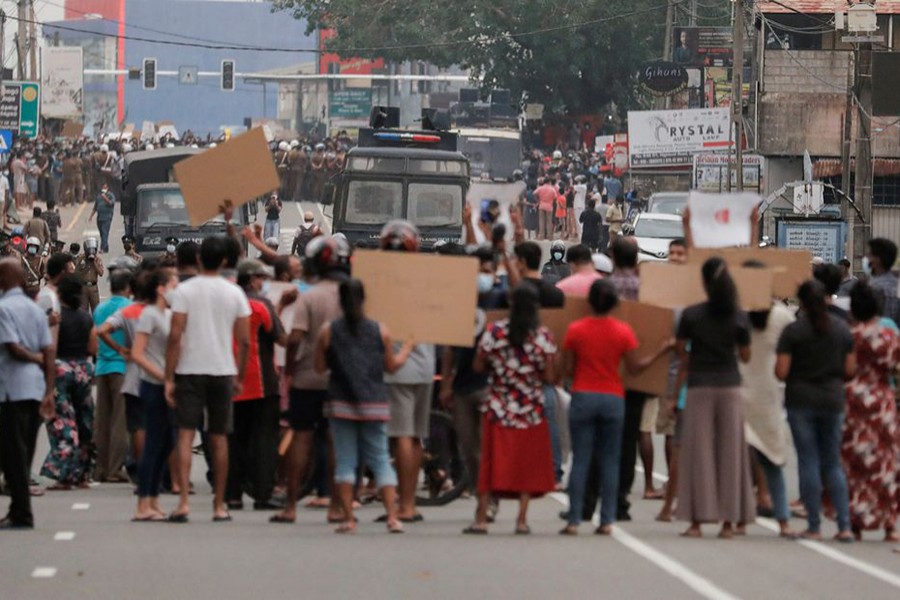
(167, 206)
(374, 202)
(435, 205)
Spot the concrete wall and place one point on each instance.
(802, 106)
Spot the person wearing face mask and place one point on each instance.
(556, 268)
(251, 444)
(33, 265)
(104, 207)
(89, 268)
(130, 252)
(169, 259)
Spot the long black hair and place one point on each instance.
(523, 313)
(352, 296)
(720, 289)
(812, 298)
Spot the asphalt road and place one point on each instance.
(85, 547)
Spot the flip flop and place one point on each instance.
(281, 519)
(526, 530)
(335, 520)
(394, 527)
(174, 518)
(346, 528)
(475, 530)
(688, 533)
(655, 495)
(221, 519)
(150, 519)
(416, 518)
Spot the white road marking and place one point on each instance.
(64, 536)
(91, 233)
(828, 552)
(81, 506)
(44, 572)
(699, 584)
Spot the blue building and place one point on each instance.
(164, 30)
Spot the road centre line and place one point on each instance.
(44, 572)
(77, 216)
(64, 536)
(81, 506)
(826, 551)
(699, 584)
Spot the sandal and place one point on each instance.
(811, 535)
(346, 527)
(475, 530)
(603, 530)
(569, 530)
(691, 533)
(523, 530)
(394, 527)
(154, 518)
(59, 487)
(844, 537)
(279, 518)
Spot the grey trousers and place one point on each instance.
(110, 431)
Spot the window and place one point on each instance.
(161, 207)
(376, 164)
(435, 204)
(886, 191)
(424, 166)
(374, 202)
(658, 228)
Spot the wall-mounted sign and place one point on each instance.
(825, 239)
(670, 138)
(662, 78)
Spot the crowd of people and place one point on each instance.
(306, 384)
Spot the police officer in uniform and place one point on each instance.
(33, 265)
(130, 252)
(168, 259)
(89, 267)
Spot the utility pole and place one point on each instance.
(2, 43)
(862, 194)
(847, 136)
(661, 103)
(21, 36)
(32, 42)
(693, 10)
(737, 92)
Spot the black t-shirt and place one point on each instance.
(273, 210)
(713, 345)
(74, 333)
(816, 378)
(592, 220)
(554, 272)
(549, 295)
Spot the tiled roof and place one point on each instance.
(822, 7)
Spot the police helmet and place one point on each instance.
(326, 254)
(400, 235)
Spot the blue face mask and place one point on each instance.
(485, 283)
(266, 287)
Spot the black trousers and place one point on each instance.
(253, 449)
(19, 424)
(631, 431)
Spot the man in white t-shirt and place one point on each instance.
(210, 318)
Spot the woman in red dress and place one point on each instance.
(871, 442)
(516, 461)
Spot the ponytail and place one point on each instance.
(352, 297)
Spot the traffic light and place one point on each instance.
(228, 75)
(149, 73)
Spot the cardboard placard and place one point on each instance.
(677, 286)
(792, 267)
(237, 171)
(651, 324)
(72, 130)
(430, 298)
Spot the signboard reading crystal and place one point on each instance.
(350, 104)
(822, 238)
(710, 169)
(671, 138)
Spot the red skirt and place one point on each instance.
(515, 461)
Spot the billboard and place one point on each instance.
(62, 77)
(702, 46)
(710, 169)
(671, 138)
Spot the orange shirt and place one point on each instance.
(253, 381)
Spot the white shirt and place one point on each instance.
(212, 305)
(4, 187)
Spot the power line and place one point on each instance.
(347, 51)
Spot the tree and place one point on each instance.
(572, 56)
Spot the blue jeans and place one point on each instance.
(272, 228)
(550, 415)
(778, 492)
(103, 225)
(595, 426)
(159, 439)
(368, 438)
(817, 438)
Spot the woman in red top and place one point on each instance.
(516, 460)
(592, 352)
(249, 406)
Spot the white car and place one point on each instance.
(671, 203)
(653, 232)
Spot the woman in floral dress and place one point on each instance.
(516, 460)
(871, 441)
(71, 456)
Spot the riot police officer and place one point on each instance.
(130, 252)
(33, 265)
(556, 268)
(168, 259)
(89, 267)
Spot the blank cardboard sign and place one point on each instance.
(427, 297)
(651, 324)
(677, 286)
(239, 171)
(792, 267)
(72, 130)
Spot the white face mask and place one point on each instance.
(866, 267)
(558, 256)
(485, 283)
(170, 249)
(32, 250)
(266, 287)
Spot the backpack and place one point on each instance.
(304, 235)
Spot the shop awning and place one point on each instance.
(831, 167)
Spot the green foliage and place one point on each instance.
(572, 56)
